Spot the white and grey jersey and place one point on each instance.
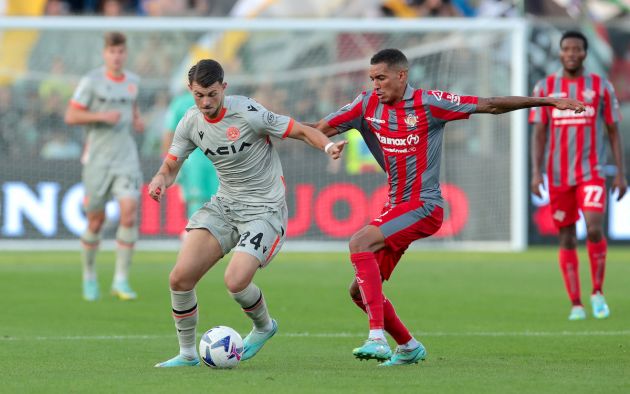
(238, 144)
(109, 146)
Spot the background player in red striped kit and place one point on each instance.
(403, 128)
(575, 164)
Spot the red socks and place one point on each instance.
(393, 325)
(369, 280)
(570, 273)
(597, 257)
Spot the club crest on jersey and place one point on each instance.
(132, 88)
(588, 94)
(233, 133)
(411, 120)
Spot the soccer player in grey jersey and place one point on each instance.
(105, 103)
(248, 214)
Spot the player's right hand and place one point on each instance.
(537, 184)
(156, 187)
(110, 117)
(567, 103)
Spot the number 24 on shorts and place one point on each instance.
(255, 240)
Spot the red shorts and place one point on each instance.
(401, 225)
(566, 200)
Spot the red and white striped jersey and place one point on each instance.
(576, 150)
(406, 138)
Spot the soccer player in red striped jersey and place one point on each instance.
(575, 164)
(403, 128)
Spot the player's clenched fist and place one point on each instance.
(157, 185)
(335, 150)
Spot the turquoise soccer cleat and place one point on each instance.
(577, 313)
(377, 349)
(406, 357)
(178, 361)
(600, 308)
(90, 290)
(122, 290)
(255, 340)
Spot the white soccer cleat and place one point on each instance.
(600, 308)
(577, 313)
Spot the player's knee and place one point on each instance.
(95, 224)
(568, 242)
(234, 284)
(594, 233)
(358, 244)
(179, 282)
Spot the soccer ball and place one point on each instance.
(221, 347)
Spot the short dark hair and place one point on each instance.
(205, 73)
(575, 34)
(114, 39)
(392, 57)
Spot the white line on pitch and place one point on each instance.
(337, 335)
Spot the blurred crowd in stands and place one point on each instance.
(373, 8)
(32, 103)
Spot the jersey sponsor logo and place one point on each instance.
(226, 150)
(200, 134)
(411, 120)
(251, 108)
(374, 120)
(588, 94)
(269, 118)
(557, 94)
(233, 133)
(398, 145)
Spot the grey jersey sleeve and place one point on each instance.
(182, 145)
(266, 122)
(82, 96)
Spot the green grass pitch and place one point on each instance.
(491, 322)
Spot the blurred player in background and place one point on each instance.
(403, 128)
(575, 165)
(105, 102)
(248, 214)
(197, 177)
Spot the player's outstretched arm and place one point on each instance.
(616, 147)
(324, 127)
(164, 178)
(317, 139)
(499, 105)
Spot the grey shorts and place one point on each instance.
(100, 186)
(258, 231)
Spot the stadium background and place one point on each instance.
(302, 74)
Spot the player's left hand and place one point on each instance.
(335, 150)
(138, 124)
(621, 185)
(566, 103)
